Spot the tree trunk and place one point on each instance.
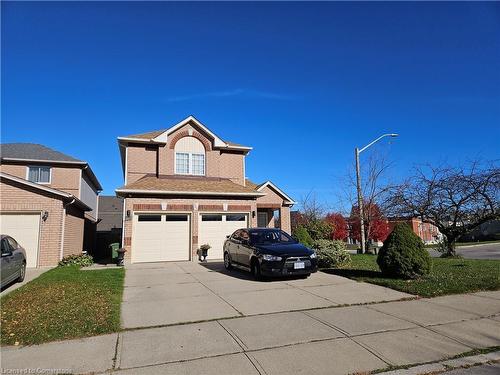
(450, 247)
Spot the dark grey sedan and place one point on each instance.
(13, 261)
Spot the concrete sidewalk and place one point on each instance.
(333, 340)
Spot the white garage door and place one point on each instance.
(25, 229)
(213, 229)
(160, 237)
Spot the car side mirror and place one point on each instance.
(228, 236)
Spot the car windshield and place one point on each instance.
(259, 237)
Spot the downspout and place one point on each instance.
(63, 222)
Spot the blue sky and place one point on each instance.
(303, 83)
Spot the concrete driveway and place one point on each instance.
(158, 294)
(31, 274)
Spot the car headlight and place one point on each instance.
(271, 258)
(312, 256)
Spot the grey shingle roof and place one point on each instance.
(33, 151)
(110, 213)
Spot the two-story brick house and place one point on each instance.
(184, 187)
(48, 202)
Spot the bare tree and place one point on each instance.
(375, 183)
(454, 199)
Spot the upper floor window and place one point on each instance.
(40, 175)
(189, 157)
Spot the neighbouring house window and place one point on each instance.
(40, 175)
(190, 156)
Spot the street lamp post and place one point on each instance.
(358, 151)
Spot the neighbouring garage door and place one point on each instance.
(160, 237)
(25, 229)
(213, 229)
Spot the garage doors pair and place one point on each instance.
(167, 237)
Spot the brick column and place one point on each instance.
(285, 219)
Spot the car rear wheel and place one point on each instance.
(22, 273)
(227, 261)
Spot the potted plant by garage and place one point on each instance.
(203, 252)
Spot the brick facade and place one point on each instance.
(15, 198)
(159, 159)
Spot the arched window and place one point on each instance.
(189, 156)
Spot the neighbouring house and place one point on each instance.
(109, 227)
(429, 233)
(48, 202)
(489, 231)
(184, 187)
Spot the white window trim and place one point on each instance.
(39, 166)
(190, 164)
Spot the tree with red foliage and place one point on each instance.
(376, 225)
(339, 225)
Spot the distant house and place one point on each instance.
(48, 202)
(429, 233)
(488, 231)
(110, 225)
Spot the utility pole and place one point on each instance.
(358, 151)
(360, 202)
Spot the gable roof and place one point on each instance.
(183, 185)
(37, 153)
(47, 189)
(161, 136)
(33, 151)
(288, 200)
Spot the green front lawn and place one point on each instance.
(448, 276)
(63, 303)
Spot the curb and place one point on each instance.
(448, 365)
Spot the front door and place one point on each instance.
(262, 219)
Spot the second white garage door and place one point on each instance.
(213, 229)
(25, 229)
(160, 237)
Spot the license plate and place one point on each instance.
(299, 265)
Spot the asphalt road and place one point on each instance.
(480, 251)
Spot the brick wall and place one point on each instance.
(14, 198)
(141, 160)
(73, 231)
(65, 178)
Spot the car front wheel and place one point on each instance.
(256, 270)
(227, 261)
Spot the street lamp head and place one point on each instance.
(394, 135)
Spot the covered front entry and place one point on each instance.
(160, 237)
(25, 229)
(214, 227)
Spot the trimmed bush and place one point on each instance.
(403, 254)
(319, 229)
(331, 254)
(302, 235)
(81, 260)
